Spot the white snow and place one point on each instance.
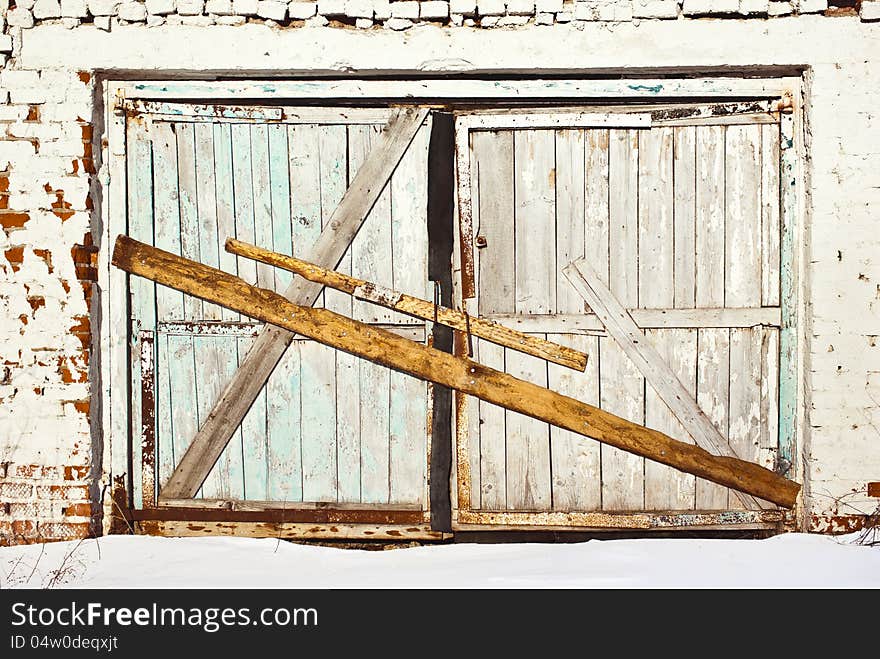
(788, 560)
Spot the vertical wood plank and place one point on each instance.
(164, 431)
(622, 392)
(596, 205)
(769, 443)
(409, 224)
(182, 390)
(570, 214)
(225, 204)
(576, 461)
(189, 215)
(283, 390)
(284, 427)
(243, 196)
(279, 198)
(318, 421)
(743, 212)
(375, 385)
(492, 447)
(139, 170)
(528, 443)
(260, 175)
(218, 359)
(621, 386)
(710, 216)
(623, 182)
(338, 164)
(770, 202)
(254, 440)
(407, 437)
(790, 175)
(334, 176)
(206, 201)
(169, 303)
(655, 219)
(371, 250)
(534, 221)
(409, 259)
(667, 488)
(684, 216)
(713, 381)
(492, 189)
(317, 362)
(744, 430)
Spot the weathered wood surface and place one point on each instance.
(463, 375)
(289, 530)
(255, 369)
(639, 349)
(413, 306)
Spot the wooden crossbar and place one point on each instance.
(413, 306)
(465, 375)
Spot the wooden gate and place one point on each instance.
(679, 216)
(683, 214)
(330, 439)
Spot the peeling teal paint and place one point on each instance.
(788, 333)
(654, 89)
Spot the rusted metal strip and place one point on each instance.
(148, 419)
(319, 516)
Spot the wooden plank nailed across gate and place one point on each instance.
(464, 375)
(253, 373)
(386, 297)
(644, 356)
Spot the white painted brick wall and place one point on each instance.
(870, 10)
(407, 9)
(302, 10)
(47, 9)
(843, 271)
(74, 8)
(655, 9)
(491, 7)
(272, 9)
(245, 7)
(463, 7)
(433, 9)
(103, 7)
(218, 7)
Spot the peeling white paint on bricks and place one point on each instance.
(41, 414)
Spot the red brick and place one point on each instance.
(79, 510)
(65, 492)
(73, 473)
(65, 530)
(24, 527)
(13, 219)
(12, 490)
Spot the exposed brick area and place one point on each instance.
(47, 272)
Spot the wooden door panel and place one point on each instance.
(674, 217)
(327, 427)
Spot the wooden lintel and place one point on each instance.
(413, 306)
(464, 375)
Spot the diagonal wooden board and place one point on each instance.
(639, 349)
(388, 349)
(416, 307)
(253, 373)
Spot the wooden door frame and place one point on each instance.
(114, 387)
(791, 380)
